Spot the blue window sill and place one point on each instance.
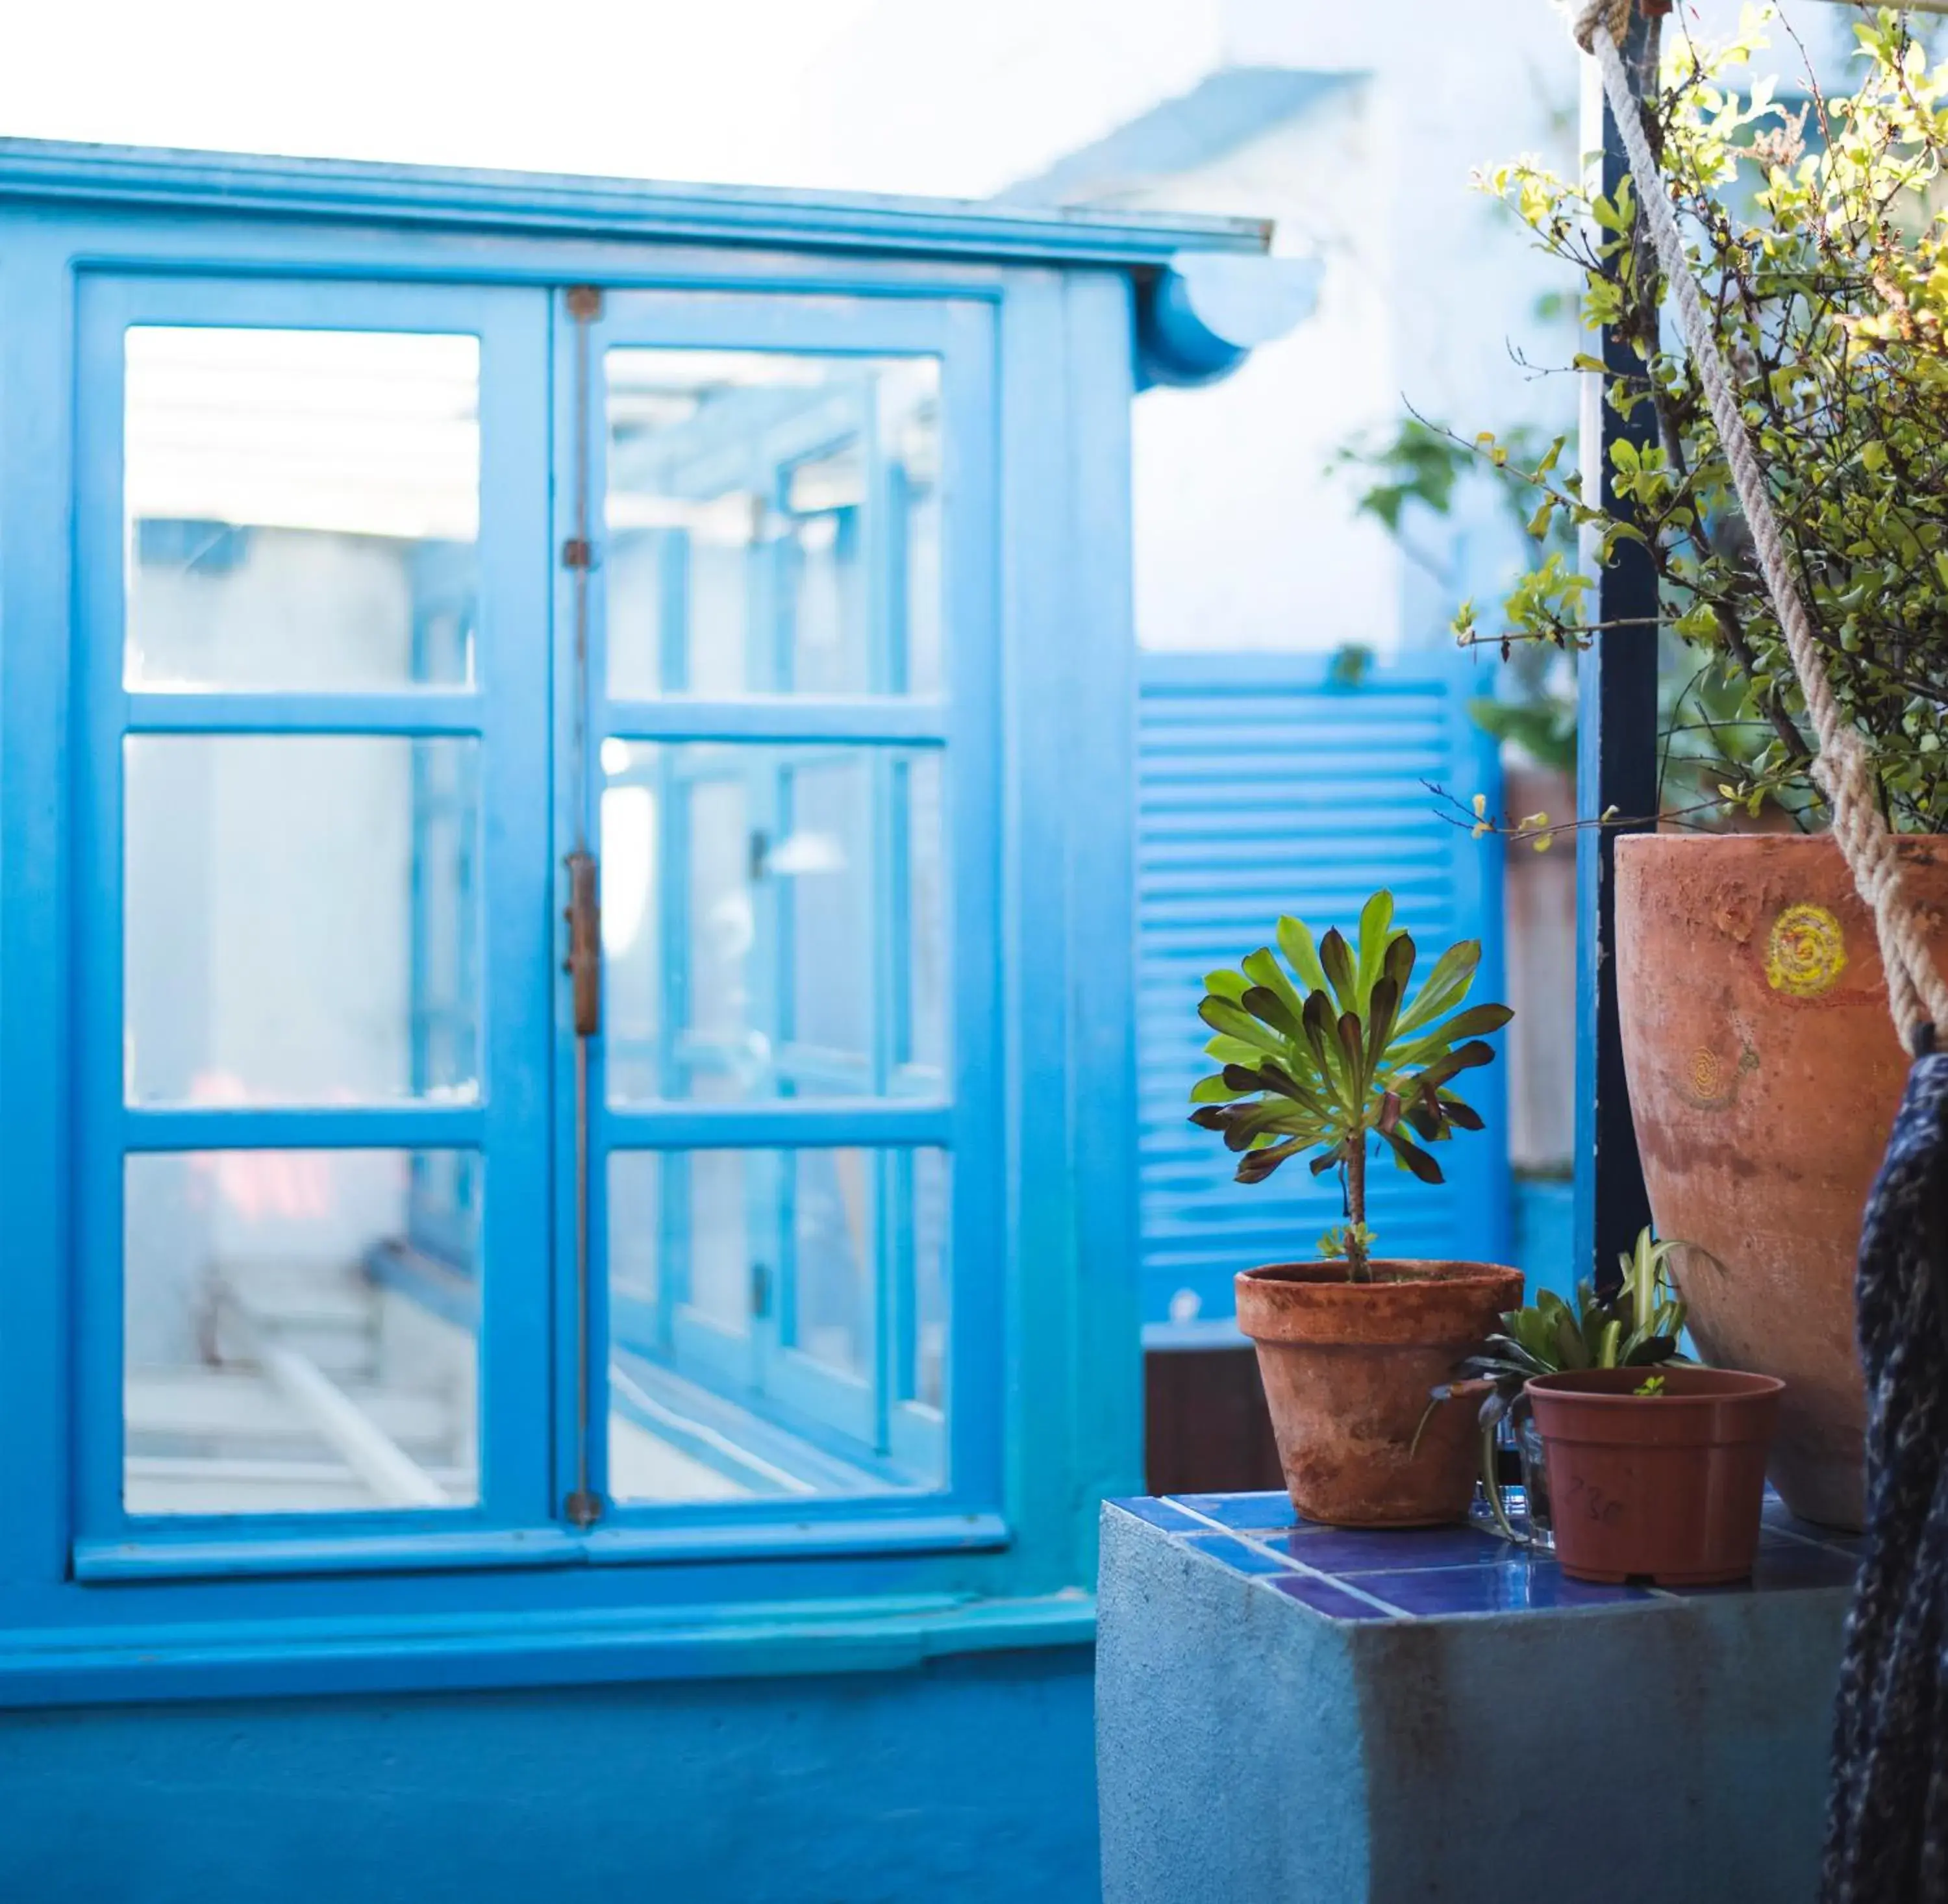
(250, 1659)
(187, 1557)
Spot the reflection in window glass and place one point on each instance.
(302, 508)
(746, 1288)
(773, 524)
(296, 1337)
(300, 919)
(773, 920)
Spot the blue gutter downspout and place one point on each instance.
(1200, 318)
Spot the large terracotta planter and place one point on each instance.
(1347, 1367)
(1764, 1073)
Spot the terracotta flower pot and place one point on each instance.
(1764, 1073)
(1347, 1367)
(1666, 1487)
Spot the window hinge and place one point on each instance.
(583, 1508)
(578, 553)
(760, 1289)
(584, 962)
(584, 302)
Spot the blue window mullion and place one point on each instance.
(415, 712)
(859, 720)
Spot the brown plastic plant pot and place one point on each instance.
(1665, 1487)
(1347, 1368)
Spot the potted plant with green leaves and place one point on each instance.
(1763, 1069)
(1637, 1324)
(1333, 1050)
(1622, 1487)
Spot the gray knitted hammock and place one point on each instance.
(1886, 1832)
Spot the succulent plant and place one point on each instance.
(1639, 1324)
(1330, 1049)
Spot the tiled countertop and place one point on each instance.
(1289, 1710)
(1443, 1572)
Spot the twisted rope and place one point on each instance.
(1916, 995)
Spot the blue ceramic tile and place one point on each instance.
(1514, 1586)
(1160, 1514)
(1237, 1554)
(1359, 1550)
(1786, 1567)
(1253, 1510)
(1323, 1596)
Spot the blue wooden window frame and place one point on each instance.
(960, 1114)
(1042, 1105)
(508, 1129)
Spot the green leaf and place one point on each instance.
(1211, 1090)
(1266, 1005)
(1468, 1057)
(1221, 1014)
(1416, 1159)
(1263, 968)
(1399, 964)
(1233, 985)
(1316, 1021)
(1295, 942)
(1468, 1024)
(1337, 958)
(1256, 1165)
(1446, 985)
(1376, 919)
(1382, 1004)
(1234, 1051)
(1353, 1045)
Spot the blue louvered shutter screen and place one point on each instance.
(1267, 786)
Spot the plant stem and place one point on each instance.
(1356, 1270)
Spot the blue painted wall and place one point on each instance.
(962, 1780)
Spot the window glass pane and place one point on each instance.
(302, 508)
(299, 1331)
(833, 1193)
(773, 524)
(922, 1015)
(747, 1353)
(773, 920)
(301, 918)
(932, 1214)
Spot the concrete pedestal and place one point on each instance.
(1290, 1714)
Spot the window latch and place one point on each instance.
(760, 1289)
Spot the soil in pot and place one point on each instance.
(1665, 1487)
(1764, 1073)
(1347, 1367)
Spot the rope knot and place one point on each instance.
(1612, 15)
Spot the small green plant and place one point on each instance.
(1639, 1324)
(1335, 1053)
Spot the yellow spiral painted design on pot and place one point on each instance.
(1806, 952)
(1708, 1077)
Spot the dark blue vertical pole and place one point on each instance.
(1616, 771)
